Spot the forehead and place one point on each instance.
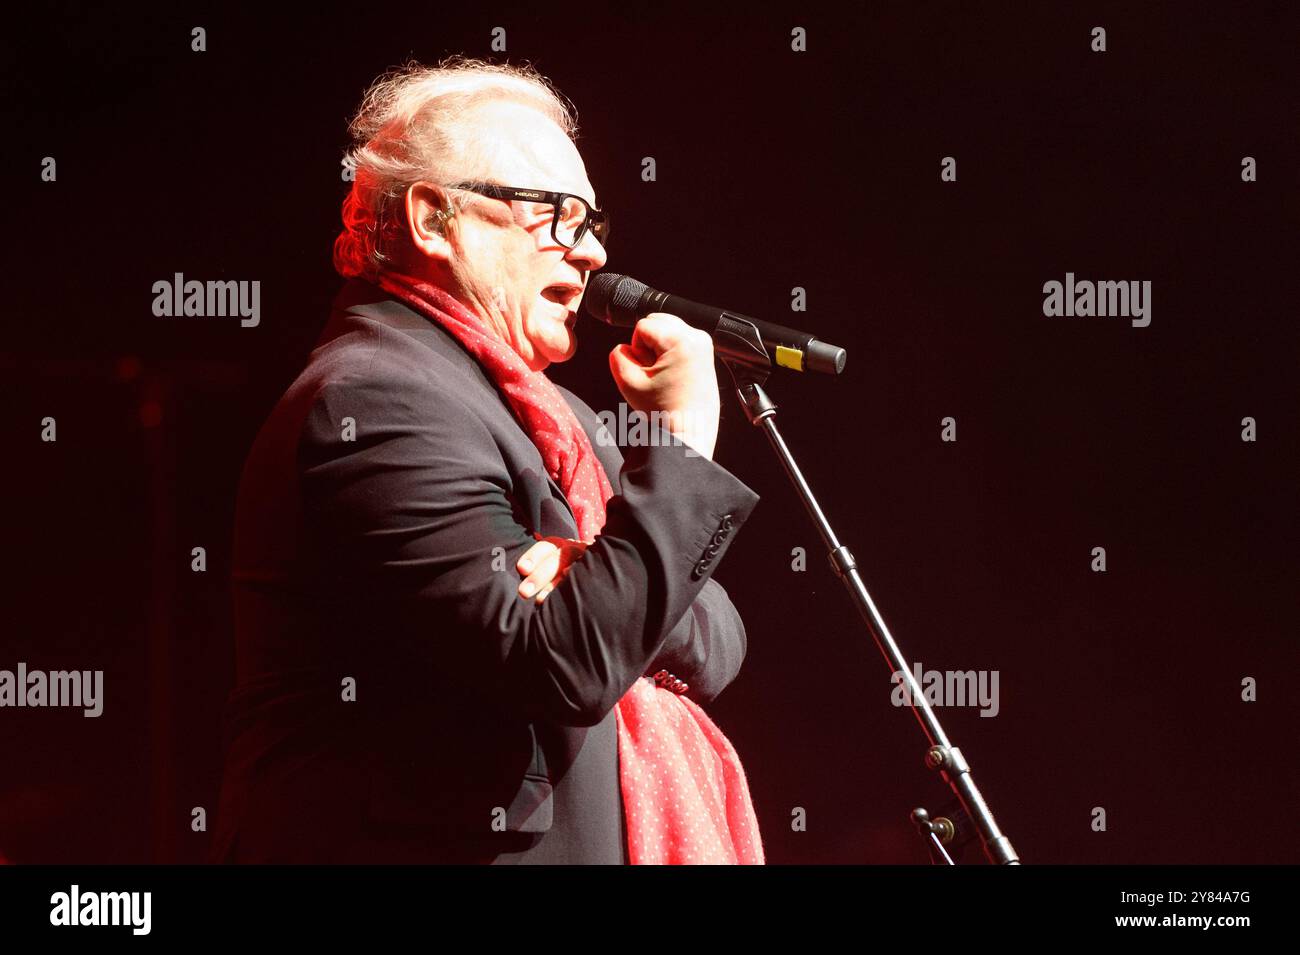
(525, 149)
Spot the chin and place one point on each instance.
(557, 347)
(557, 357)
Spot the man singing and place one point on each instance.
(467, 629)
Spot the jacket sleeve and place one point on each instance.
(413, 511)
(707, 646)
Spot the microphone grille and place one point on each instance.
(613, 298)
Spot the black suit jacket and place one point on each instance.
(395, 699)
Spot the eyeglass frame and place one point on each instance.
(595, 218)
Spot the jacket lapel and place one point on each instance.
(359, 297)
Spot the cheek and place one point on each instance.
(525, 276)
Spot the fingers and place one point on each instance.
(545, 564)
(651, 337)
(656, 333)
(530, 557)
(627, 363)
(541, 563)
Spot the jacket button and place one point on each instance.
(726, 522)
(711, 551)
(701, 568)
(669, 682)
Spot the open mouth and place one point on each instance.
(563, 293)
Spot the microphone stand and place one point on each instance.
(740, 347)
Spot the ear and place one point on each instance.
(429, 220)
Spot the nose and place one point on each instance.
(588, 254)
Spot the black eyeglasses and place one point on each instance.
(573, 215)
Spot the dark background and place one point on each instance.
(775, 169)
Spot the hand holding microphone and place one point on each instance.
(668, 367)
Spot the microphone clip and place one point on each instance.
(739, 345)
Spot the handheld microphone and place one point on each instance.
(622, 301)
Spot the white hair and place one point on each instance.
(416, 124)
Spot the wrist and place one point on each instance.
(698, 432)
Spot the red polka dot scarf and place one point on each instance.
(685, 796)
